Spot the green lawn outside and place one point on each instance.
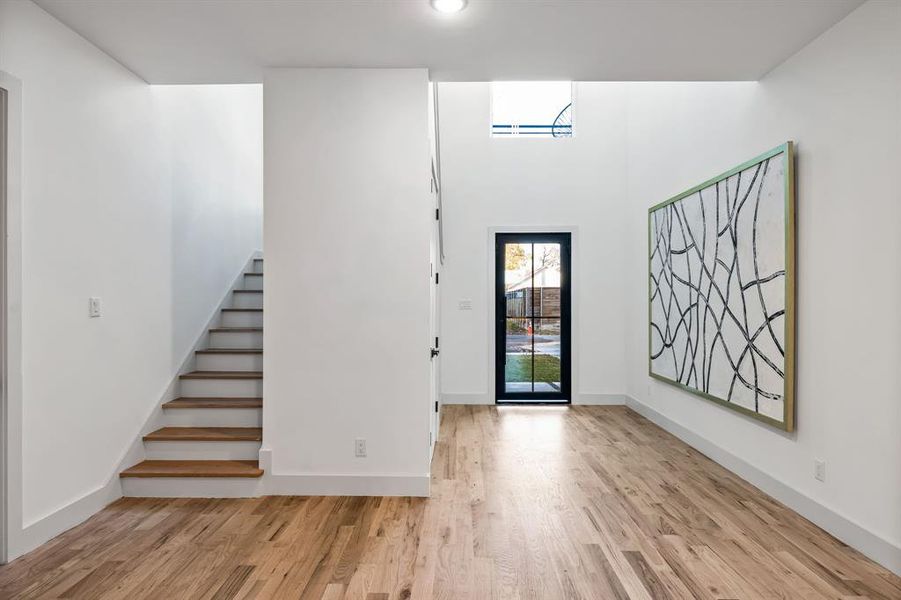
(519, 368)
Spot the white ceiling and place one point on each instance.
(231, 41)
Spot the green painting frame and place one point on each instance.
(788, 423)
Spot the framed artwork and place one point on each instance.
(721, 313)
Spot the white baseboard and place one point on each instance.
(869, 543)
(325, 484)
(473, 398)
(314, 484)
(309, 484)
(599, 399)
(46, 528)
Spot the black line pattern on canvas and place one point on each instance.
(700, 287)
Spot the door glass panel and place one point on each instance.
(518, 368)
(517, 294)
(546, 292)
(532, 317)
(547, 355)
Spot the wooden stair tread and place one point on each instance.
(206, 434)
(250, 274)
(242, 310)
(194, 468)
(214, 403)
(222, 375)
(247, 291)
(230, 351)
(235, 329)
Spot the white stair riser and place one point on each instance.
(191, 487)
(258, 266)
(202, 450)
(213, 417)
(229, 362)
(236, 339)
(242, 319)
(253, 282)
(222, 388)
(248, 301)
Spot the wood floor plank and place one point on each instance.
(526, 503)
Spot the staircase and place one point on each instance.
(210, 444)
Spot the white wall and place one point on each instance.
(148, 198)
(347, 214)
(840, 100)
(548, 184)
(214, 146)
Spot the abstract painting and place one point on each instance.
(721, 288)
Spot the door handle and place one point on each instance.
(434, 352)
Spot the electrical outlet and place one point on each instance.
(94, 306)
(819, 470)
(360, 447)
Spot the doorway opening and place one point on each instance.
(532, 299)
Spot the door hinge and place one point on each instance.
(436, 278)
(436, 342)
(437, 214)
(436, 406)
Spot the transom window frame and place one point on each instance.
(565, 130)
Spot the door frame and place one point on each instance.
(539, 235)
(435, 318)
(437, 259)
(13, 538)
(4, 185)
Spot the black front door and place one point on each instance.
(532, 300)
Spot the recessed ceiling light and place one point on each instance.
(448, 6)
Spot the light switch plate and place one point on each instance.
(94, 306)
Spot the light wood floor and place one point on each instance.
(527, 502)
